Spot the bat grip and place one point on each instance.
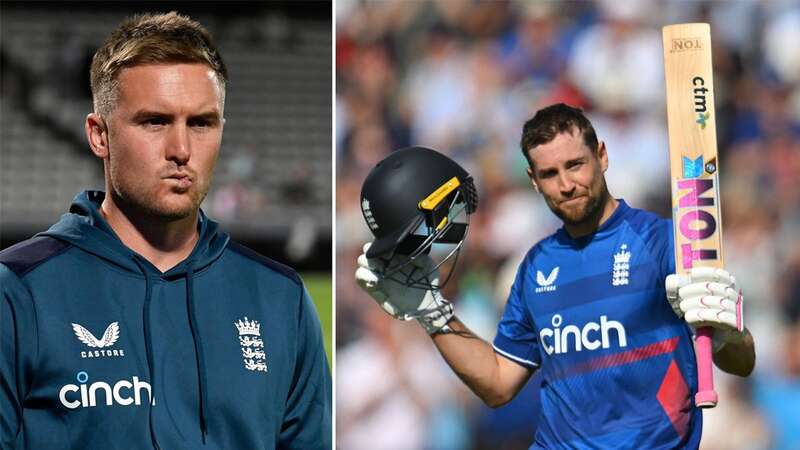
(706, 397)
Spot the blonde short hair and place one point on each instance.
(151, 39)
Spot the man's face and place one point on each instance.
(570, 177)
(164, 136)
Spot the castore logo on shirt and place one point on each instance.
(546, 284)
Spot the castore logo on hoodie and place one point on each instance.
(110, 337)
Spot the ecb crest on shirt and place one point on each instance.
(620, 271)
(252, 346)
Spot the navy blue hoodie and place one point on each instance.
(101, 350)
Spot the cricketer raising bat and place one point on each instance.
(694, 169)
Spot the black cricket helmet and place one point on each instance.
(412, 199)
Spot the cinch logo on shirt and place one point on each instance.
(593, 336)
(546, 284)
(123, 392)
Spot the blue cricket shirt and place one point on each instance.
(591, 313)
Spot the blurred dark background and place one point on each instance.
(462, 77)
(272, 186)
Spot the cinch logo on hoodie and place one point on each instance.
(123, 392)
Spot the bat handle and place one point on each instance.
(706, 397)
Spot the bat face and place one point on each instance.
(692, 146)
(693, 167)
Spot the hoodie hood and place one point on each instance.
(84, 227)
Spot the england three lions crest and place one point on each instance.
(621, 270)
(252, 346)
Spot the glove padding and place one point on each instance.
(402, 302)
(706, 296)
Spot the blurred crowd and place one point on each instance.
(462, 77)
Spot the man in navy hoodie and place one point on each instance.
(134, 322)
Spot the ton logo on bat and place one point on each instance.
(684, 44)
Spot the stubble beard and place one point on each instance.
(157, 206)
(589, 213)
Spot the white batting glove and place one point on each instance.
(427, 306)
(706, 296)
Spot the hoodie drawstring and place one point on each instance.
(198, 348)
(148, 346)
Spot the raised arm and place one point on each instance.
(492, 377)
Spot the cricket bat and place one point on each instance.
(694, 169)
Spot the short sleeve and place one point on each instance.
(516, 337)
(666, 248)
